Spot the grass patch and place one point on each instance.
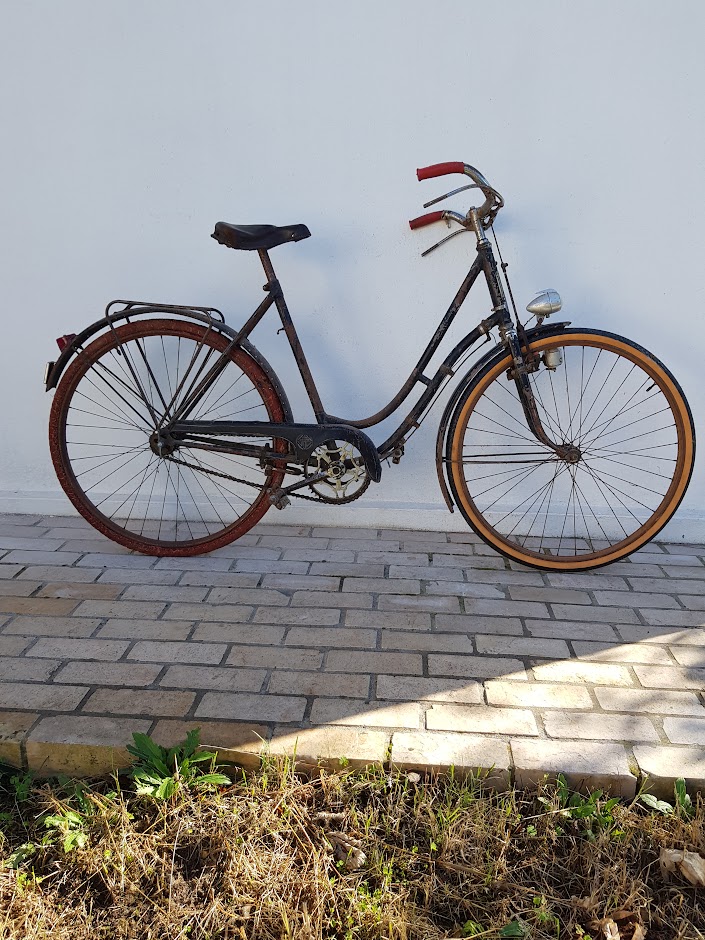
(273, 855)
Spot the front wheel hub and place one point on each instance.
(570, 453)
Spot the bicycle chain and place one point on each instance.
(227, 476)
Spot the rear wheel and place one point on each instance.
(629, 455)
(107, 408)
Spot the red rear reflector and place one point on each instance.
(63, 341)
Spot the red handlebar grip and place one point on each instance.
(439, 169)
(426, 219)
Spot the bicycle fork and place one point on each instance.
(522, 365)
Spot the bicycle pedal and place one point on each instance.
(280, 501)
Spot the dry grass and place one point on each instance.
(277, 855)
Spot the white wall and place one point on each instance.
(130, 128)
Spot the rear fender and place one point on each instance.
(54, 370)
(497, 352)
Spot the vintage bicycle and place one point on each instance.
(564, 448)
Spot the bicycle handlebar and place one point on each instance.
(486, 212)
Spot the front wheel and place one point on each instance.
(629, 455)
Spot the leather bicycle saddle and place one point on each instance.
(251, 237)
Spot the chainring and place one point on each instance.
(346, 474)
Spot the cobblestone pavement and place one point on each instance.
(423, 648)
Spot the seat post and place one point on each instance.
(274, 287)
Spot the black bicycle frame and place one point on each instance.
(179, 425)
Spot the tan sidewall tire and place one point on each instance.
(671, 500)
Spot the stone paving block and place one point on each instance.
(521, 646)
(436, 604)
(601, 580)
(37, 606)
(252, 633)
(294, 541)
(673, 618)
(481, 719)
(426, 642)
(145, 629)
(107, 560)
(548, 595)
(679, 572)
(21, 669)
(352, 534)
(55, 698)
(72, 532)
(329, 684)
(13, 731)
(455, 554)
(536, 694)
(9, 571)
(69, 648)
(318, 555)
(367, 545)
(341, 711)
(382, 585)
(50, 626)
(341, 570)
(303, 616)
(505, 608)
(685, 730)
(216, 579)
(21, 518)
(692, 602)
(13, 645)
(373, 662)
(102, 673)
(215, 678)
(253, 596)
(55, 573)
(16, 588)
(667, 586)
(301, 582)
(164, 592)
(599, 727)
(275, 657)
(175, 652)
(422, 570)
(331, 637)
(243, 706)
(623, 653)
(92, 545)
(82, 591)
(402, 620)
(23, 531)
(198, 563)
(594, 614)
(148, 610)
(570, 630)
(691, 561)
(133, 576)
(414, 535)
(418, 689)
(236, 742)
(689, 655)
(139, 702)
(653, 702)
(267, 528)
(631, 569)
(636, 599)
(581, 671)
(668, 636)
(663, 765)
(28, 557)
(670, 677)
(271, 567)
(475, 667)
(399, 560)
(223, 612)
(332, 746)
(586, 765)
(331, 599)
(506, 577)
(465, 623)
(465, 753)
(81, 746)
(464, 589)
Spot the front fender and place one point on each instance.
(496, 352)
(55, 369)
